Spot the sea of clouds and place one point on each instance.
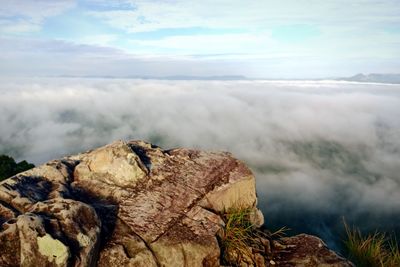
(320, 150)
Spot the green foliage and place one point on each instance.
(240, 236)
(8, 167)
(237, 235)
(372, 250)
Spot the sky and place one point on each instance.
(260, 39)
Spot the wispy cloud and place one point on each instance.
(255, 15)
(33, 57)
(28, 16)
(262, 38)
(207, 44)
(41, 57)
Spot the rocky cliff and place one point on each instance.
(134, 204)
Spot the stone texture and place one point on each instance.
(114, 165)
(306, 251)
(170, 206)
(126, 204)
(131, 204)
(45, 225)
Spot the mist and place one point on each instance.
(320, 150)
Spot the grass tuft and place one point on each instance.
(372, 250)
(237, 235)
(240, 238)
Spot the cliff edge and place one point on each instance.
(134, 204)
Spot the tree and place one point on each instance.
(8, 166)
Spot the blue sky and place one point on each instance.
(270, 39)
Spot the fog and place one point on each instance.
(320, 150)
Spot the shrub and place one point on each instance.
(8, 167)
(236, 235)
(372, 250)
(240, 238)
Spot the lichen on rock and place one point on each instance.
(53, 249)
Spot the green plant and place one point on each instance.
(240, 237)
(372, 250)
(394, 252)
(281, 232)
(236, 235)
(8, 167)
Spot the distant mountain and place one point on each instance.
(175, 77)
(373, 77)
(223, 77)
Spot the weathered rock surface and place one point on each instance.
(127, 204)
(305, 250)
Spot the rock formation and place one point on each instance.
(134, 204)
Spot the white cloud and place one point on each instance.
(97, 39)
(34, 9)
(154, 15)
(267, 124)
(18, 26)
(348, 38)
(251, 15)
(330, 148)
(33, 57)
(28, 16)
(341, 31)
(209, 44)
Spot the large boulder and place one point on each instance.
(41, 222)
(125, 204)
(131, 204)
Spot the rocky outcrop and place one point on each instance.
(304, 250)
(128, 204)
